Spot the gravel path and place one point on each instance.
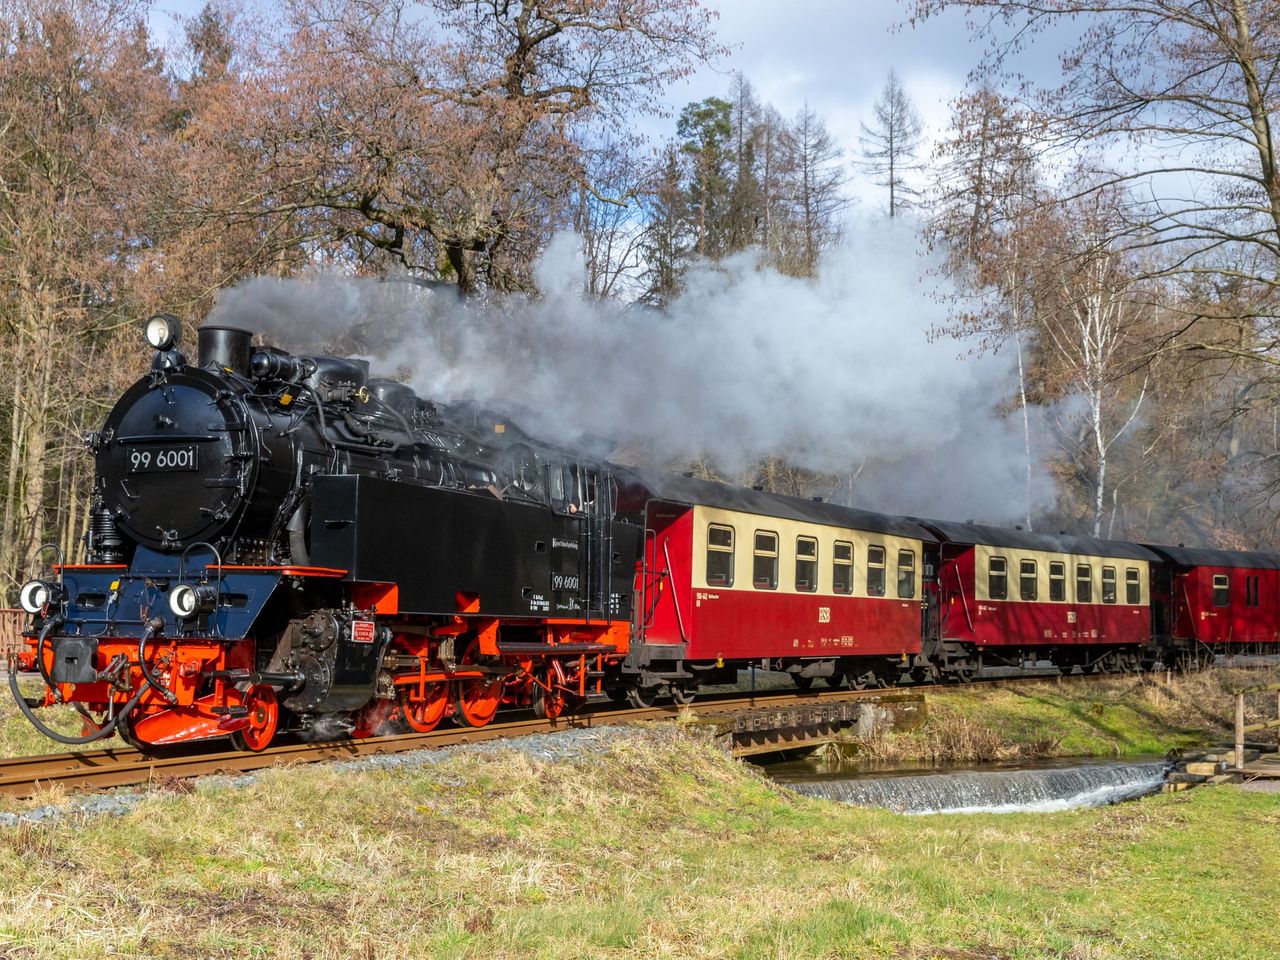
(573, 743)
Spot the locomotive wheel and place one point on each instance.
(641, 697)
(683, 693)
(802, 683)
(264, 718)
(477, 698)
(549, 704)
(374, 719)
(423, 714)
(835, 681)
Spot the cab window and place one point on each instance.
(1057, 581)
(842, 567)
(764, 572)
(1084, 583)
(806, 564)
(998, 578)
(875, 571)
(719, 556)
(1108, 584)
(906, 573)
(1028, 580)
(1221, 590)
(1132, 586)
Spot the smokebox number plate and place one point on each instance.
(164, 459)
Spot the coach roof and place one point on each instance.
(1204, 557)
(969, 534)
(643, 484)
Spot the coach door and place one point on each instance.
(580, 549)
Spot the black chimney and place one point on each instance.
(225, 347)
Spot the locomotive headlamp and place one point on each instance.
(36, 595)
(187, 601)
(161, 331)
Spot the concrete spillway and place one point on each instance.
(999, 791)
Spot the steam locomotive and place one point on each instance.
(284, 542)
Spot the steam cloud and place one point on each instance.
(837, 375)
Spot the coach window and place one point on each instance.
(906, 573)
(1057, 581)
(875, 571)
(1132, 586)
(1252, 596)
(842, 568)
(764, 574)
(998, 578)
(1028, 580)
(1108, 584)
(719, 556)
(806, 564)
(1084, 583)
(1221, 590)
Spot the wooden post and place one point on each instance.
(1239, 731)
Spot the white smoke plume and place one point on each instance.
(837, 375)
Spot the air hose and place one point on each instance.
(105, 731)
(101, 734)
(152, 626)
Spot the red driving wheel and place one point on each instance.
(374, 719)
(264, 717)
(478, 698)
(424, 713)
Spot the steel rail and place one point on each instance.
(125, 766)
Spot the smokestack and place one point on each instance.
(225, 347)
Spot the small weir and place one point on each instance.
(1047, 789)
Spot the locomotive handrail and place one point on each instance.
(217, 596)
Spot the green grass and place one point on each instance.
(662, 847)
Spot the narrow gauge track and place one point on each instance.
(103, 769)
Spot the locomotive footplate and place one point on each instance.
(73, 660)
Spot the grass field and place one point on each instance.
(657, 846)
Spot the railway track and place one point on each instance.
(105, 769)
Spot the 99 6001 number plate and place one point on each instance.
(163, 459)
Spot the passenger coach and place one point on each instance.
(1218, 601)
(810, 588)
(1008, 596)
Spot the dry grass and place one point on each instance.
(1116, 717)
(658, 847)
(19, 739)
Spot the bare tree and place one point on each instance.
(443, 134)
(1091, 321)
(989, 219)
(891, 144)
(1185, 91)
(819, 179)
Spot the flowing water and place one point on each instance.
(1041, 788)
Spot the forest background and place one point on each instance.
(1112, 231)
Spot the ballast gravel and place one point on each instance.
(573, 743)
